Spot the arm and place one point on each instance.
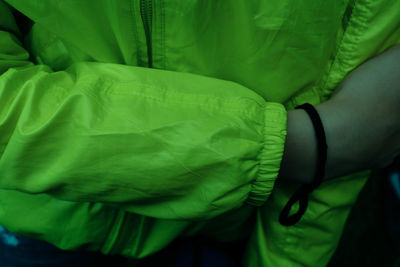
(157, 143)
(361, 123)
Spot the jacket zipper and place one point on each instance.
(146, 12)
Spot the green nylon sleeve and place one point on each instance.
(153, 142)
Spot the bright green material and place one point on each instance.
(200, 136)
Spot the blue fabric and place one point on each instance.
(18, 251)
(395, 183)
(392, 204)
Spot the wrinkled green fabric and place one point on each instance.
(100, 152)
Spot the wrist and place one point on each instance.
(345, 139)
(300, 154)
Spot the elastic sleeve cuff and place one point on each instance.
(270, 157)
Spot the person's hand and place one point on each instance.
(361, 121)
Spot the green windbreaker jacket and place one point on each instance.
(125, 124)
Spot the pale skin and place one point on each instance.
(361, 122)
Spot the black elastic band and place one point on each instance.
(301, 195)
(321, 143)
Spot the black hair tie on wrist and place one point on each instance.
(301, 195)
